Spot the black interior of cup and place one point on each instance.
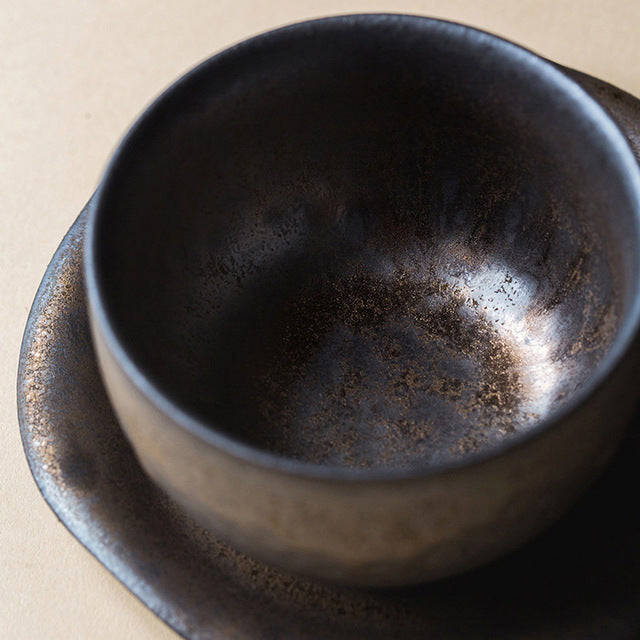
(368, 242)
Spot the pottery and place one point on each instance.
(88, 474)
(365, 295)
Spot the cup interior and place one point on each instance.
(370, 242)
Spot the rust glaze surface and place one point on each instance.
(579, 579)
(362, 292)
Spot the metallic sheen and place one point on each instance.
(581, 578)
(362, 290)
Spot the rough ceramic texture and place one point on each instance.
(579, 579)
(425, 259)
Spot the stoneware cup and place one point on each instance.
(365, 295)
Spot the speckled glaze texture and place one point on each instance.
(580, 578)
(368, 353)
(383, 532)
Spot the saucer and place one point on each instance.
(579, 579)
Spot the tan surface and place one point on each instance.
(73, 74)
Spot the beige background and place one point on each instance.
(73, 75)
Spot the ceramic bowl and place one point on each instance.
(365, 295)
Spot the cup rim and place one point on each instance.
(207, 433)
